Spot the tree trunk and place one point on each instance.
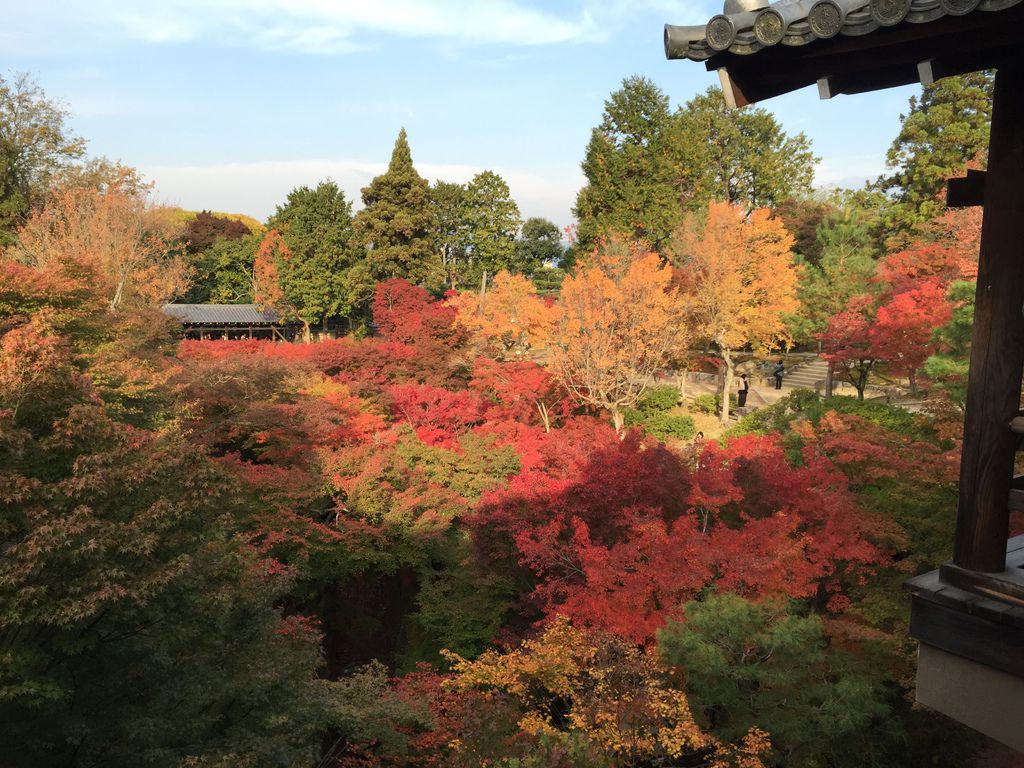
(307, 334)
(913, 383)
(681, 385)
(545, 417)
(618, 421)
(483, 288)
(115, 301)
(726, 386)
(829, 379)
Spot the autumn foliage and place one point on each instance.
(894, 326)
(121, 239)
(478, 529)
(740, 280)
(621, 320)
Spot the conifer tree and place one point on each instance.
(494, 220)
(325, 276)
(395, 224)
(945, 129)
(629, 172)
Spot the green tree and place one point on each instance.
(755, 664)
(945, 129)
(630, 169)
(844, 269)
(493, 218)
(395, 224)
(325, 276)
(224, 271)
(740, 156)
(35, 144)
(948, 368)
(450, 227)
(539, 244)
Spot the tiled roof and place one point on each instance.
(748, 26)
(220, 314)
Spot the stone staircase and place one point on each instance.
(807, 375)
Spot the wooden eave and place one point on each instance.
(887, 57)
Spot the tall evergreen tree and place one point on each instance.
(945, 129)
(493, 223)
(646, 166)
(325, 276)
(739, 156)
(395, 224)
(450, 227)
(629, 171)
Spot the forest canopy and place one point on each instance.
(487, 510)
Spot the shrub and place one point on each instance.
(705, 404)
(805, 403)
(665, 425)
(663, 398)
(711, 404)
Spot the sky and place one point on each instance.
(228, 104)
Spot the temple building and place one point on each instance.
(230, 321)
(968, 615)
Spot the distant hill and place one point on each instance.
(181, 216)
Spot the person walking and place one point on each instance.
(744, 387)
(780, 371)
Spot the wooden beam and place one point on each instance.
(733, 95)
(966, 191)
(997, 343)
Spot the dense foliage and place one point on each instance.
(476, 528)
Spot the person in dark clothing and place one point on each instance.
(741, 396)
(780, 371)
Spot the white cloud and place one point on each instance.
(340, 26)
(331, 26)
(849, 170)
(256, 188)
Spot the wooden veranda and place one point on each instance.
(969, 613)
(230, 322)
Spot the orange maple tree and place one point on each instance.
(621, 321)
(510, 320)
(118, 235)
(742, 280)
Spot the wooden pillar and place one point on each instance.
(997, 344)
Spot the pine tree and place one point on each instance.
(945, 129)
(395, 224)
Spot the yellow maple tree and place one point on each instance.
(117, 235)
(742, 281)
(621, 321)
(511, 320)
(570, 683)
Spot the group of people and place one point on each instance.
(744, 383)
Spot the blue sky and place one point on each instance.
(228, 104)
